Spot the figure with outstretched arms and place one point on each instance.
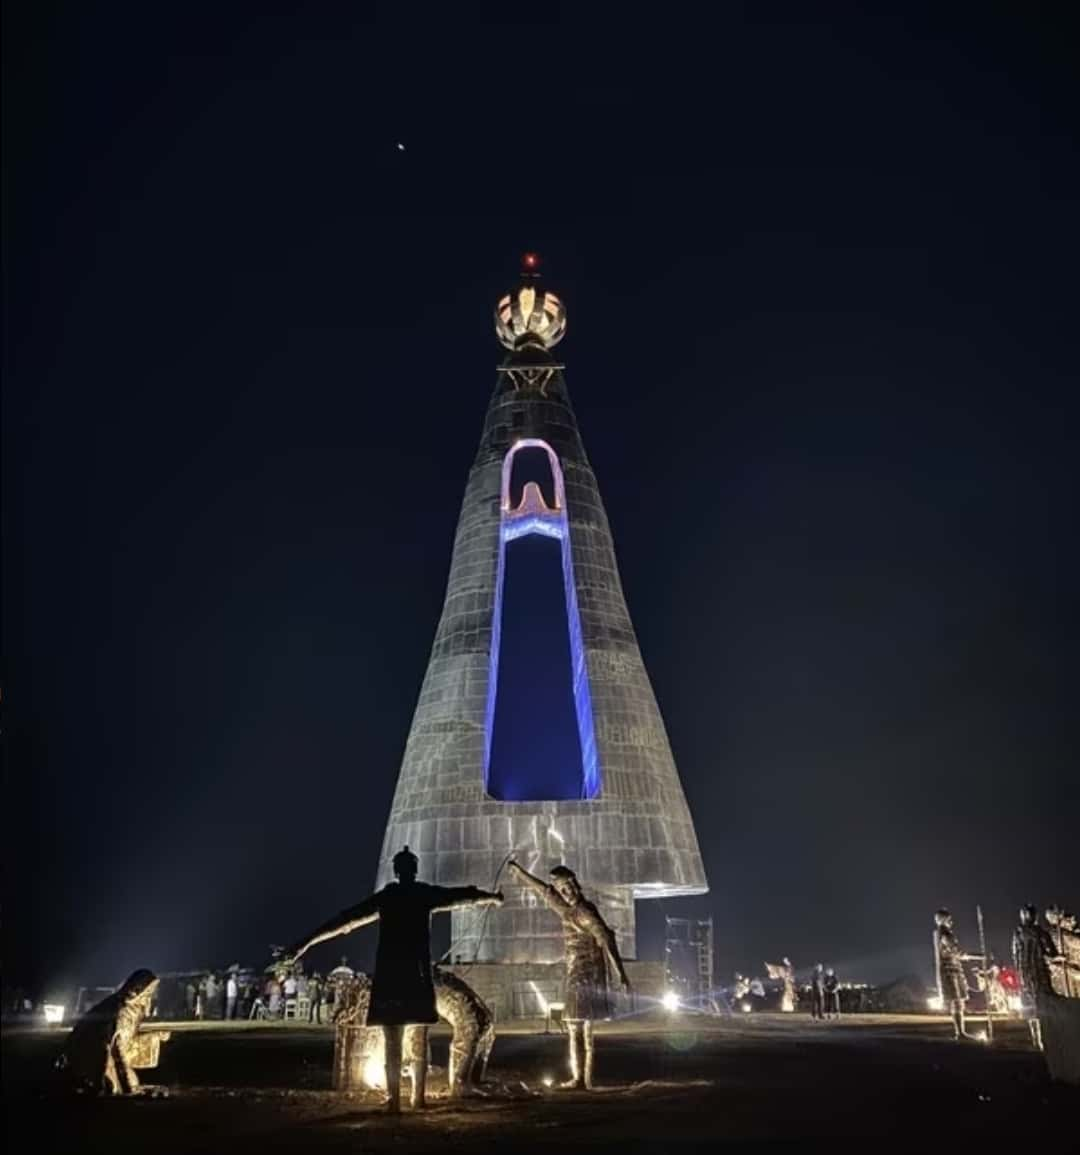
(590, 948)
(402, 991)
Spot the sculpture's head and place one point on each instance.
(942, 918)
(139, 987)
(819, 967)
(406, 865)
(829, 971)
(1029, 916)
(566, 884)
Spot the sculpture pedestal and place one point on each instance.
(1061, 1039)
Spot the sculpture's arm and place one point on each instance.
(451, 897)
(349, 920)
(540, 888)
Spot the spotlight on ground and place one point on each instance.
(670, 1001)
(548, 1081)
(54, 1012)
(935, 1003)
(745, 1008)
(983, 1037)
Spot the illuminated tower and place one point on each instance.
(477, 785)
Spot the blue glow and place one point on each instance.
(551, 523)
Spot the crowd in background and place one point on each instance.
(280, 992)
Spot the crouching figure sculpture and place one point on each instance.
(456, 1003)
(106, 1046)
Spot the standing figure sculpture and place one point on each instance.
(106, 1046)
(402, 992)
(784, 971)
(1033, 950)
(590, 946)
(949, 962)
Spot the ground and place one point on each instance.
(678, 1082)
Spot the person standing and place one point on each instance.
(290, 990)
(231, 993)
(832, 994)
(817, 992)
(589, 944)
(315, 990)
(273, 998)
(403, 991)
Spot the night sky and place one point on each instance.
(821, 277)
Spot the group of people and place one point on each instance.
(824, 993)
(403, 987)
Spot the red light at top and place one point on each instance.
(530, 262)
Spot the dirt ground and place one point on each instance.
(678, 1083)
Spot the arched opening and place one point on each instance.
(540, 740)
(531, 463)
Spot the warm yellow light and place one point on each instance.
(375, 1073)
(545, 1006)
(548, 1081)
(935, 1003)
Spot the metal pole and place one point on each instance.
(986, 976)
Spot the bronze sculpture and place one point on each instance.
(949, 962)
(590, 946)
(784, 971)
(106, 1045)
(456, 1003)
(1033, 950)
(402, 992)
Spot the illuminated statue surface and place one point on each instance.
(949, 962)
(106, 1046)
(785, 972)
(1065, 967)
(589, 945)
(1033, 950)
(457, 1004)
(402, 990)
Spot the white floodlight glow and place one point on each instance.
(935, 1003)
(375, 1073)
(548, 1081)
(670, 1001)
(745, 1008)
(54, 1012)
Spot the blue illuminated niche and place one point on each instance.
(533, 514)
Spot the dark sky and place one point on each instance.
(821, 277)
